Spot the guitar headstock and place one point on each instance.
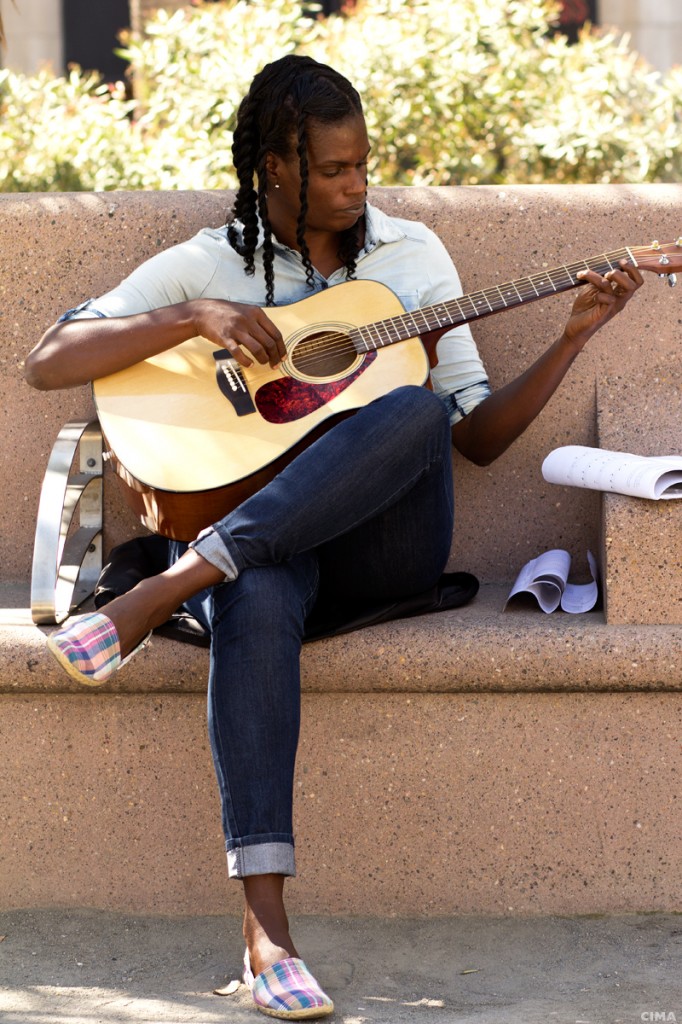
(664, 258)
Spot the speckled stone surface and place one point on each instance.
(410, 804)
(476, 761)
(642, 539)
(532, 759)
(479, 648)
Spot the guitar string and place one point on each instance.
(335, 343)
(330, 342)
(404, 325)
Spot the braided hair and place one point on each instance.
(283, 98)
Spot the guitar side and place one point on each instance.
(186, 457)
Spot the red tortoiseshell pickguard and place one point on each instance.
(287, 399)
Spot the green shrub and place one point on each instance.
(61, 134)
(455, 91)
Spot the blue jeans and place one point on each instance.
(364, 515)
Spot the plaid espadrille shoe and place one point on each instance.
(287, 990)
(89, 649)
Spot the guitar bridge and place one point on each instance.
(230, 380)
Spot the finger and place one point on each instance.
(616, 284)
(622, 281)
(272, 338)
(260, 345)
(249, 339)
(632, 273)
(604, 290)
(232, 346)
(593, 278)
(248, 348)
(623, 284)
(261, 339)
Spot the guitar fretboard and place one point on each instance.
(466, 308)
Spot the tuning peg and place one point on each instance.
(664, 261)
(672, 280)
(655, 244)
(678, 242)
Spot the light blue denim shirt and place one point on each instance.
(404, 255)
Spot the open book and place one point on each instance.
(546, 577)
(654, 476)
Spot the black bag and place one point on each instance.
(141, 557)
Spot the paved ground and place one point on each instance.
(94, 968)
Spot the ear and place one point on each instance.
(272, 167)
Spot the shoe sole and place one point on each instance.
(313, 1011)
(69, 667)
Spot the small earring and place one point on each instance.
(276, 185)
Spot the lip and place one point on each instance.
(354, 211)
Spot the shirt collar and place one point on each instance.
(380, 227)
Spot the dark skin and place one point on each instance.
(79, 351)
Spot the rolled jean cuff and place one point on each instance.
(261, 859)
(211, 547)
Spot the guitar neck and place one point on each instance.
(444, 315)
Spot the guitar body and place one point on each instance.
(192, 434)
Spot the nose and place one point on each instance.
(357, 182)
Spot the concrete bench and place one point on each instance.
(473, 761)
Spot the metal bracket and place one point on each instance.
(67, 558)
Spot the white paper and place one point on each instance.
(546, 577)
(582, 597)
(641, 476)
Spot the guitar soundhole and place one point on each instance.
(325, 354)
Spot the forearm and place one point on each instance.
(493, 425)
(79, 351)
(497, 422)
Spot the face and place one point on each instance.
(337, 176)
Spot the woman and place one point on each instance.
(345, 521)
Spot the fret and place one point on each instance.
(461, 315)
(375, 335)
(396, 332)
(477, 300)
(512, 284)
(541, 280)
(443, 315)
(468, 299)
(470, 307)
(423, 314)
(360, 340)
(571, 279)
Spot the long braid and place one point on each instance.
(302, 152)
(245, 204)
(268, 251)
(282, 99)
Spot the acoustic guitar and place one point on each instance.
(191, 433)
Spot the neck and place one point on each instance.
(323, 246)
